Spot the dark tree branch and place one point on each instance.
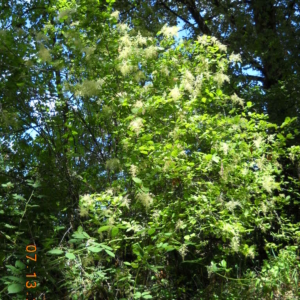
(127, 11)
(90, 131)
(176, 14)
(254, 77)
(291, 7)
(191, 6)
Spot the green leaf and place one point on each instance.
(137, 295)
(19, 265)
(219, 92)
(114, 231)
(110, 253)
(105, 247)
(35, 205)
(18, 197)
(55, 252)
(151, 231)
(137, 180)
(223, 263)
(8, 185)
(145, 189)
(134, 265)
(94, 249)
(208, 157)
(249, 104)
(175, 152)
(134, 110)
(104, 228)
(15, 288)
(281, 137)
(36, 184)
(13, 269)
(215, 158)
(144, 152)
(15, 279)
(70, 255)
(80, 235)
(9, 226)
(59, 228)
(147, 297)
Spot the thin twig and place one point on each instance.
(26, 206)
(65, 234)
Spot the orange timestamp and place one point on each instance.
(31, 249)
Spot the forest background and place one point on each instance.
(145, 166)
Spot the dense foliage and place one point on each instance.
(131, 164)
(265, 33)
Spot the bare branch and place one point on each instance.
(191, 6)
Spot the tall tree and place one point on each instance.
(129, 164)
(265, 33)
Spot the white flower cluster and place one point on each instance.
(251, 252)
(44, 54)
(115, 14)
(112, 164)
(203, 40)
(258, 142)
(122, 27)
(140, 105)
(188, 81)
(125, 68)
(125, 53)
(165, 70)
(169, 31)
(66, 12)
(146, 199)
(220, 78)
(183, 251)
(111, 220)
(231, 205)
(235, 243)
(89, 51)
(236, 99)
(156, 214)
(151, 51)
(175, 93)
(225, 148)
(125, 201)
(136, 125)
(139, 76)
(125, 40)
(89, 87)
(234, 58)
(221, 46)
(228, 228)
(133, 170)
(268, 183)
(179, 224)
(244, 171)
(41, 37)
(140, 39)
(87, 200)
